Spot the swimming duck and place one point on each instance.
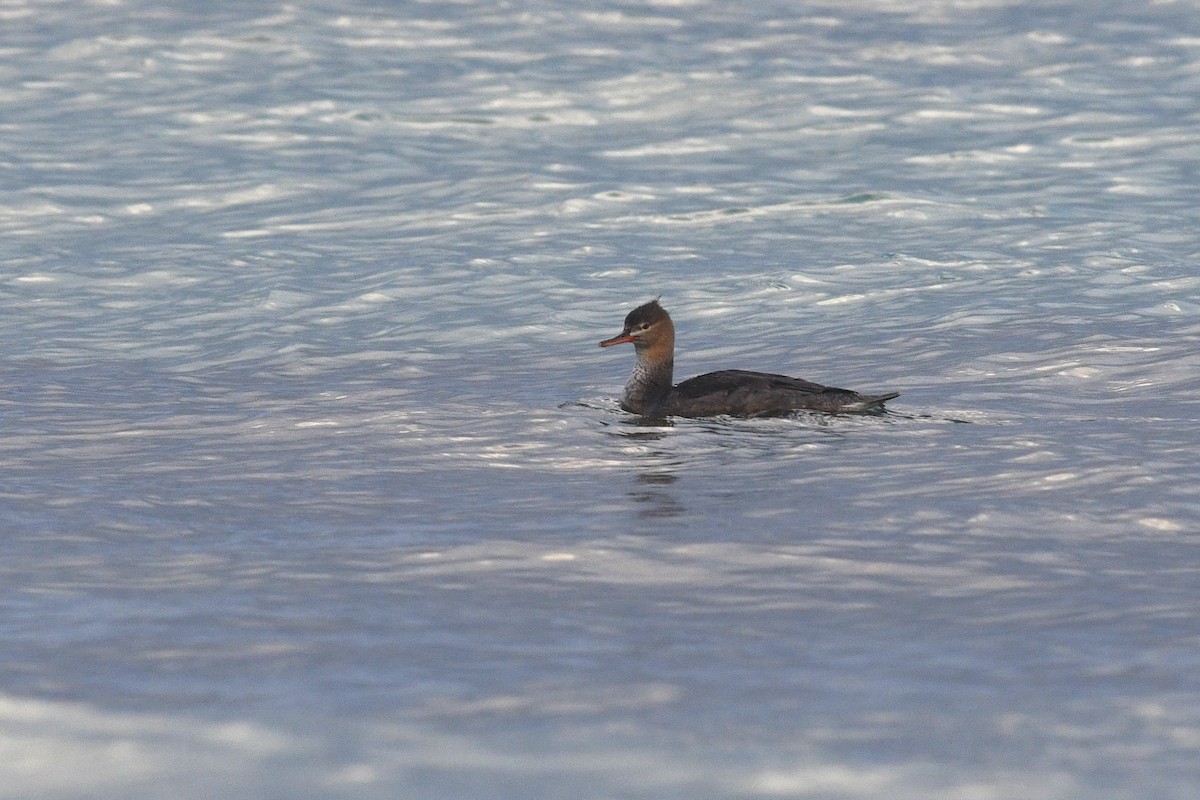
(735, 392)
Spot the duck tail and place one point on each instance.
(874, 402)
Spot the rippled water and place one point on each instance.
(315, 482)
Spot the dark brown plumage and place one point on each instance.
(736, 392)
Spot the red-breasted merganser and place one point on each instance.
(736, 392)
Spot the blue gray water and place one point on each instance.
(315, 484)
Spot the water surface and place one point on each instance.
(315, 482)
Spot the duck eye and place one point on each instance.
(644, 326)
